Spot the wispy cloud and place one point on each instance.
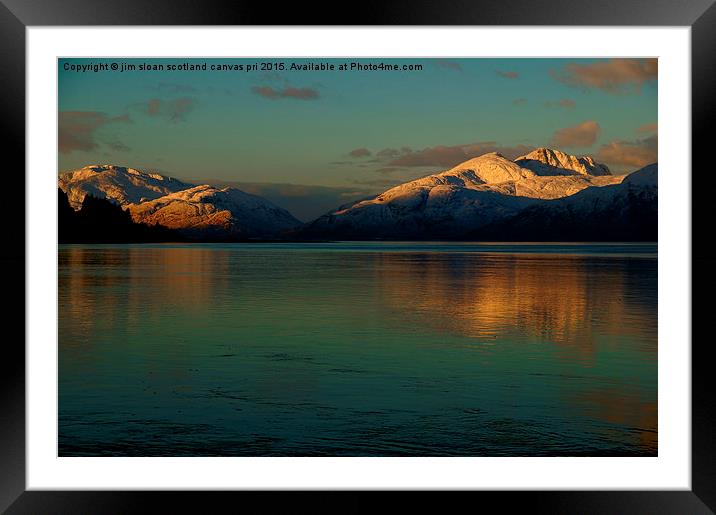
(566, 103)
(388, 153)
(447, 64)
(387, 170)
(360, 152)
(79, 131)
(286, 92)
(582, 135)
(519, 101)
(306, 202)
(616, 76)
(174, 110)
(117, 146)
(507, 74)
(647, 128)
(629, 155)
(448, 155)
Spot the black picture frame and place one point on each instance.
(16, 15)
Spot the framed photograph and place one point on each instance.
(425, 252)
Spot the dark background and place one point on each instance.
(15, 15)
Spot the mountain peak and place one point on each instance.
(644, 177)
(492, 167)
(206, 210)
(104, 168)
(120, 184)
(548, 161)
(196, 211)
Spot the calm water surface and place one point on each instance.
(358, 349)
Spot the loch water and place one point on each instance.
(357, 349)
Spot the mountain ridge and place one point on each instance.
(619, 212)
(196, 211)
(544, 160)
(122, 184)
(460, 200)
(478, 197)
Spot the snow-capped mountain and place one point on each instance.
(118, 183)
(473, 194)
(618, 212)
(546, 161)
(196, 211)
(543, 195)
(206, 211)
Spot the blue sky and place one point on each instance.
(355, 131)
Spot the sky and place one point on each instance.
(310, 140)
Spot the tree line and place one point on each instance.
(102, 221)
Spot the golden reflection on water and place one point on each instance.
(621, 406)
(561, 298)
(557, 298)
(113, 289)
(583, 307)
(183, 278)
